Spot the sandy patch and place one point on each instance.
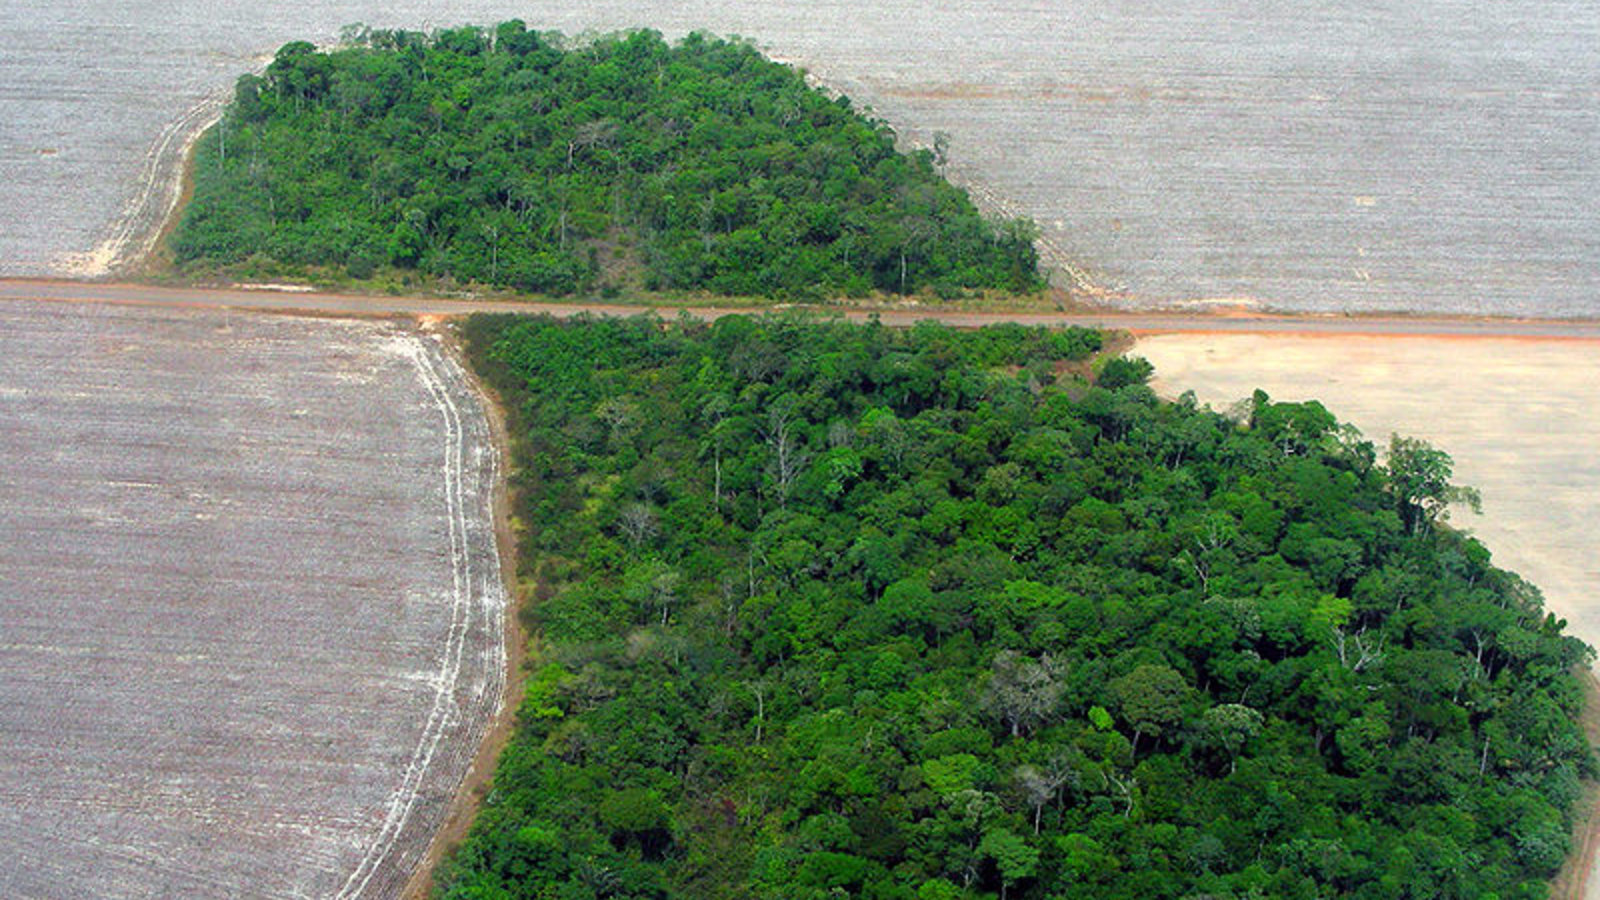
(1517, 415)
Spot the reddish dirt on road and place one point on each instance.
(323, 303)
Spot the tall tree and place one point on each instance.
(1419, 479)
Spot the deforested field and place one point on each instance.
(1423, 155)
(250, 606)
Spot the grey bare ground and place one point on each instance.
(250, 636)
(464, 808)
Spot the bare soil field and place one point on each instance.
(252, 623)
(1516, 414)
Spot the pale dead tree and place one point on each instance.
(638, 523)
(918, 231)
(564, 220)
(620, 418)
(652, 584)
(653, 644)
(788, 457)
(492, 232)
(1214, 537)
(977, 809)
(1040, 786)
(1468, 670)
(841, 433)
(847, 239)
(758, 690)
(1036, 789)
(728, 588)
(1065, 769)
(599, 133)
(1481, 640)
(522, 197)
(1355, 651)
(714, 411)
(753, 554)
(664, 591)
(708, 209)
(1022, 692)
(1123, 787)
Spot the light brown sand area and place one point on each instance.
(1521, 418)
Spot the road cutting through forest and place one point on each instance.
(1507, 398)
(285, 299)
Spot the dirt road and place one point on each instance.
(1138, 323)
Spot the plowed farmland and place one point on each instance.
(250, 608)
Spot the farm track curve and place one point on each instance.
(252, 591)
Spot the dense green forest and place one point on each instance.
(502, 157)
(824, 610)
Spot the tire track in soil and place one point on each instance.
(134, 234)
(435, 371)
(512, 649)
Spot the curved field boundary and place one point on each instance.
(404, 837)
(255, 625)
(134, 233)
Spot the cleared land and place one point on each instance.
(1433, 155)
(253, 612)
(1517, 416)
